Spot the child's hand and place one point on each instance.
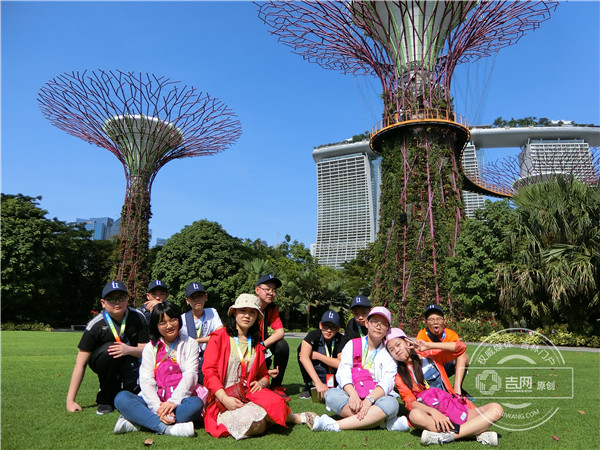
(274, 372)
(119, 349)
(150, 304)
(421, 346)
(73, 406)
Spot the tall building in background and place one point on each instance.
(348, 179)
(102, 227)
(472, 161)
(347, 201)
(540, 158)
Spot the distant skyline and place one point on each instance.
(264, 186)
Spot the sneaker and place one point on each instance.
(322, 423)
(184, 429)
(104, 409)
(281, 391)
(431, 437)
(124, 426)
(488, 438)
(397, 424)
(305, 394)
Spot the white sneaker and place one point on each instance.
(184, 429)
(322, 423)
(124, 426)
(430, 437)
(397, 424)
(488, 438)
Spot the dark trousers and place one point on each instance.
(114, 374)
(281, 355)
(321, 371)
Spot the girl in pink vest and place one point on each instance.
(415, 358)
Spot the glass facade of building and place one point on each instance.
(348, 193)
(472, 161)
(542, 157)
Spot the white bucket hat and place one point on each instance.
(246, 301)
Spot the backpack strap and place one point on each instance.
(191, 326)
(357, 352)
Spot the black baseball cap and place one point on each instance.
(331, 317)
(267, 278)
(434, 309)
(360, 300)
(157, 284)
(193, 287)
(113, 286)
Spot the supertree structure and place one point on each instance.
(412, 47)
(145, 121)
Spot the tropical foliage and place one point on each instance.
(553, 274)
(52, 272)
(530, 262)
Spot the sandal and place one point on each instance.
(310, 419)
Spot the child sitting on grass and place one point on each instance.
(413, 360)
(111, 344)
(319, 355)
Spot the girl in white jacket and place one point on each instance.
(167, 403)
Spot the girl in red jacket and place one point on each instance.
(233, 355)
(414, 359)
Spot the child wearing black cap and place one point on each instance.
(436, 331)
(111, 344)
(319, 355)
(157, 293)
(356, 326)
(199, 322)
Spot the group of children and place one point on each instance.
(164, 371)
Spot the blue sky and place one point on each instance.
(264, 186)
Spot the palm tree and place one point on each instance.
(257, 267)
(305, 290)
(554, 275)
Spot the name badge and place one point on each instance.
(329, 380)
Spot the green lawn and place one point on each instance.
(36, 369)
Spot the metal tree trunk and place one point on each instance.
(421, 209)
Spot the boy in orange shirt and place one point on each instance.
(436, 331)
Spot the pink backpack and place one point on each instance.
(167, 374)
(361, 377)
(452, 405)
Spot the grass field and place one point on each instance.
(36, 370)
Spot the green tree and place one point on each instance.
(359, 273)
(480, 248)
(205, 252)
(555, 243)
(305, 289)
(51, 272)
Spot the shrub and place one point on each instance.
(35, 326)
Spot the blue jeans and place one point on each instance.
(134, 408)
(337, 398)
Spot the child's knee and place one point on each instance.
(495, 411)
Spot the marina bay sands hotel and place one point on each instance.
(348, 179)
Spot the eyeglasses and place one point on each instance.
(378, 323)
(114, 301)
(268, 290)
(330, 327)
(172, 322)
(435, 320)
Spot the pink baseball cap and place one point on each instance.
(394, 333)
(382, 312)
